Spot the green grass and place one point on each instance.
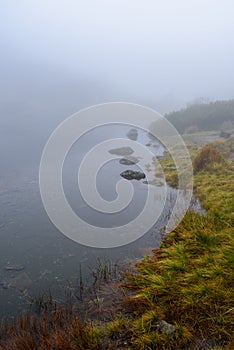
(188, 282)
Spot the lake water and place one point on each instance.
(49, 259)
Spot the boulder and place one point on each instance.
(132, 175)
(132, 134)
(166, 328)
(129, 160)
(122, 151)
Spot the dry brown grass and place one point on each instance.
(57, 328)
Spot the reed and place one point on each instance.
(56, 328)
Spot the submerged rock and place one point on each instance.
(4, 284)
(153, 183)
(132, 134)
(132, 175)
(14, 267)
(122, 151)
(21, 282)
(129, 160)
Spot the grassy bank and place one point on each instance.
(181, 297)
(188, 282)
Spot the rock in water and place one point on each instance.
(4, 284)
(129, 160)
(154, 182)
(132, 134)
(132, 175)
(14, 267)
(21, 282)
(122, 151)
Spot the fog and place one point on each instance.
(60, 56)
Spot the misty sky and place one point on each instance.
(154, 50)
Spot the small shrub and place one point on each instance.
(206, 158)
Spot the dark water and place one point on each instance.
(30, 241)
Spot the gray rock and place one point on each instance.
(132, 175)
(129, 160)
(132, 134)
(225, 134)
(122, 151)
(166, 328)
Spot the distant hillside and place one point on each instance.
(217, 115)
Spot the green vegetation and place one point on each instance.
(217, 115)
(169, 168)
(188, 282)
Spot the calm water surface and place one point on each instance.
(30, 242)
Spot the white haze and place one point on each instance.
(58, 56)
